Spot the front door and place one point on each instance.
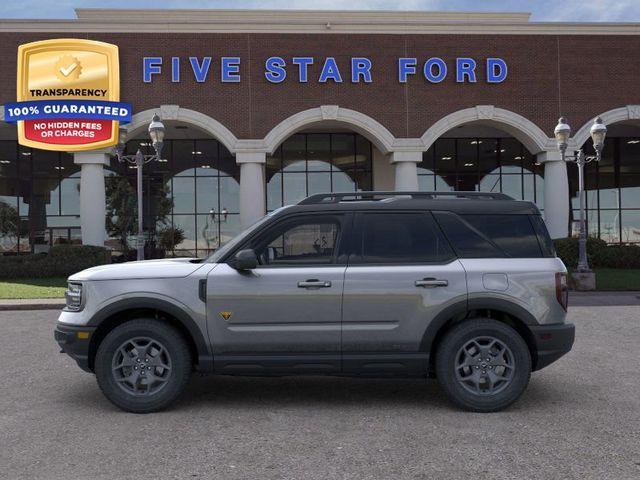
(285, 314)
(401, 274)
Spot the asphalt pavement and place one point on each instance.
(579, 418)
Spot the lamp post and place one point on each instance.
(156, 133)
(562, 133)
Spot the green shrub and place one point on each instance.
(61, 261)
(599, 254)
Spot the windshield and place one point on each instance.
(238, 239)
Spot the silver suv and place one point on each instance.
(462, 286)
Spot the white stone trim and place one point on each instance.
(310, 21)
(140, 121)
(532, 136)
(629, 112)
(358, 122)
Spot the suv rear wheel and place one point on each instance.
(143, 365)
(483, 365)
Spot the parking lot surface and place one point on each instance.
(579, 418)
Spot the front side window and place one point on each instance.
(307, 242)
(401, 238)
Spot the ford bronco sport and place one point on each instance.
(462, 286)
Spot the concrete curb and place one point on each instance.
(32, 304)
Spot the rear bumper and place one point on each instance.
(74, 341)
(552, 342)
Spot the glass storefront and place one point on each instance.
(308, 163)
(196, 186)
(612, 191)
(484, 165)
(195, 189)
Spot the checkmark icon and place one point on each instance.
(66, 71)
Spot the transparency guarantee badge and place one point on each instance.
(68, 95)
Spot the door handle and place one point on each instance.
(431, 283)
(313, 283)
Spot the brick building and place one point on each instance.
(265, 107)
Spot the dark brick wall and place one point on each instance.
(578, 76)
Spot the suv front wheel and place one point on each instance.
(483, 365)
(143, 365)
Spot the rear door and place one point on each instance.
(402, 272)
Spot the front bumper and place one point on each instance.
(75, 341)
(552, 342)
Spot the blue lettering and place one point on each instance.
(275, 69)
(151, 66)
(303, 64)
(175, 69)
(406, 66)
(496, 70)
(330, 71)
(230, 70)
(428, 70)
(465, 67)
(200, 71)
(360, 67)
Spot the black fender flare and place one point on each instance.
(462, 308)
(205, 358)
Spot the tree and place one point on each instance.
(122, 208)
(9, 222)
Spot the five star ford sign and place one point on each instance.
(68, 95)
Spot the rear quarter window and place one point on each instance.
(494, 235)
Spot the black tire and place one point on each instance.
(450, 357)
(175, 353)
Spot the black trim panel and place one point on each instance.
(505, 306)
(552, 342)
(76, 348)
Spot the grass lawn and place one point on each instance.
(33, 288)
(617, 279)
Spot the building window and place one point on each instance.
(612, 192)
(482, 164)
(308, 163)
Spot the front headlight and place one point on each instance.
(73, 296)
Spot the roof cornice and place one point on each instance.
(310, 21)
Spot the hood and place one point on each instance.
(165, 268)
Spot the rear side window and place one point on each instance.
(477, 236)
(514, 234)
(467, 241)
(401, 238)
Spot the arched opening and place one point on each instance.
(485, 158)
(39, 197)
(612, 186)
(316, 160)
(325, 149)
(190, 197)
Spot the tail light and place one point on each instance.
(562, 290)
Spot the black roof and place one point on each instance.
(457, 202)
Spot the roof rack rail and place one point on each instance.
(360, 196)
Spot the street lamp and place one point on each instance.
(156, 133)
(562, 133)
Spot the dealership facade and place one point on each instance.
(263, 108)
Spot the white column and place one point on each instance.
(93, 209)
(406, 166)
(252, 187)
(556, 194)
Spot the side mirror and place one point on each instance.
(245, 260)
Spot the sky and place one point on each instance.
(542, 10)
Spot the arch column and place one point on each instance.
(252, 186)
(556, 194)
(93, 207)
(406, 170)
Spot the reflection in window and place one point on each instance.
(309, 163)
